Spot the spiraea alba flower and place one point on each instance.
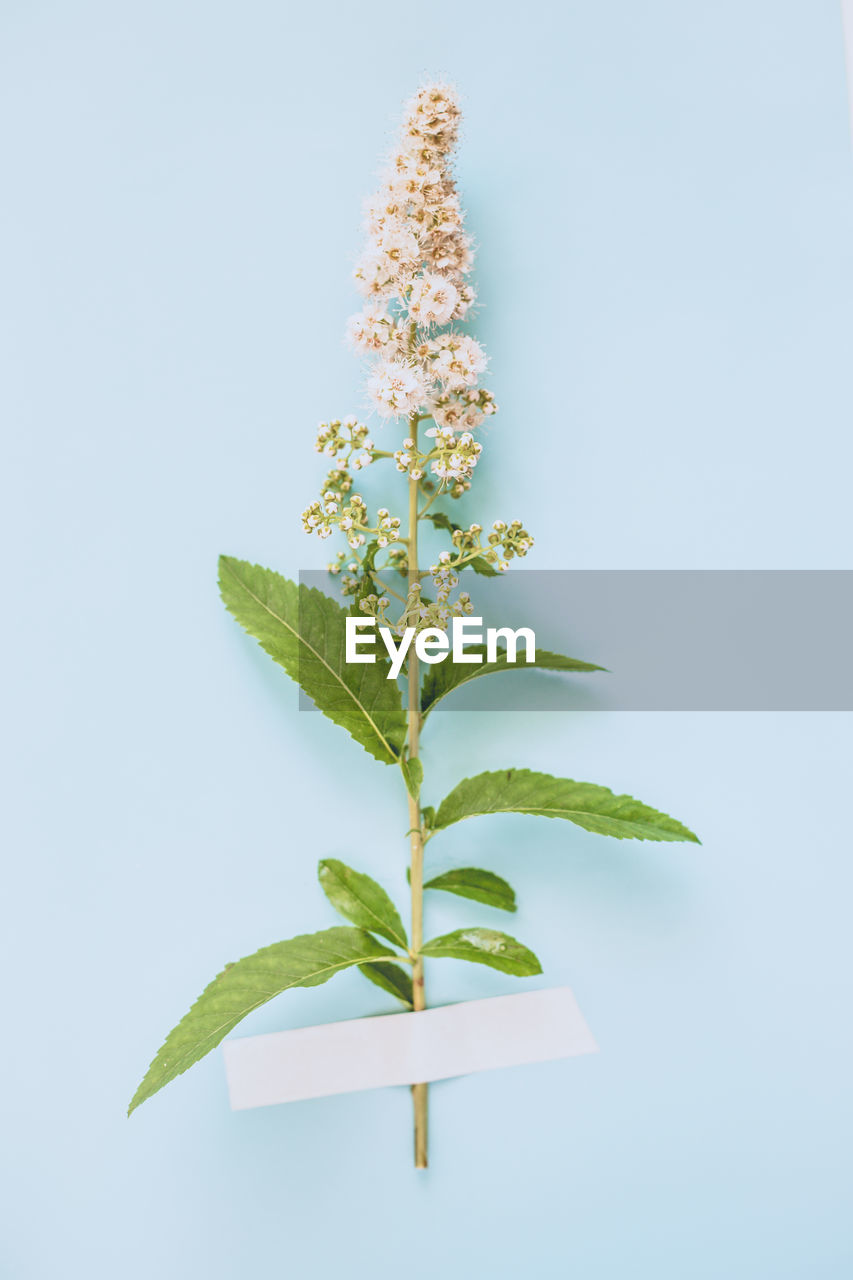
(424, 370)
(414, 274)
(397, 388)
(432, 299)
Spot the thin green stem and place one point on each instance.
(425, 508)
(419, 1091)
(385, 588)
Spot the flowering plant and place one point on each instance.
(414, 275)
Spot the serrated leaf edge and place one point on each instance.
(225, 562)
(544, 811)
(344, 964)
(396, 939)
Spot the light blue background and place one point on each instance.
(662, 197)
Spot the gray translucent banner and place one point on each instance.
(671, 640)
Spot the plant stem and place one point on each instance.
(439, 490)
(419, 1091)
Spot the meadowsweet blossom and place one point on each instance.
(432, 299)
(397, 388)
(456, 359)
(371, 329)
(414, 272)
(463, 410)
(423, 370)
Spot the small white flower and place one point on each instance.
(433, 299)
(369, 330)
(398, 243)
(375, 275)
(396, 388)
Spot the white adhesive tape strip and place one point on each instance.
(404, 1048)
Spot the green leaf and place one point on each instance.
(482, 566)
(589, 806)
(391, 978)
(443, 677)
(442, 521)
(428, 815)
(481, 886)
(305, 961)
(413, 773)
(361, 900)
(485, 946)
(303, 630)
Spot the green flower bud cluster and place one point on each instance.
(338, 483)
(322, 516)
(375, 606)
(409, 459)
(348, 438)
(455, 459)
(465, 540)
(509, 541)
